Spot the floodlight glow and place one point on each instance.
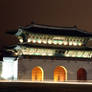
(65, 43)
(21, 40)
(43, 54)
(44, 42)
(67, 55)
(9, 69)
(49, 41)
(79, 43)
(55, 42)
(74, 43)
(50, 54)
(60, 42)
(70, 43)
(29, 40)
(37, 53)
(39, 41)
(34, 41)
(16, 53)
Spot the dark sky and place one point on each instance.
(14, 13)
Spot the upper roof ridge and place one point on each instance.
(55, 30)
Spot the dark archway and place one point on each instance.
(81, 74)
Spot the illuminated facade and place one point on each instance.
(50, 53)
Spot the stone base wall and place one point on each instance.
(25, 67)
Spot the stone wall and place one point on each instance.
(25, 67)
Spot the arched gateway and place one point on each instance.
(60, 73)
(81, 74)
(37, 74)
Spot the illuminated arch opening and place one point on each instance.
(37, 74)
(81, 74)
(60, 73)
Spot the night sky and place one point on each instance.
(14, 13)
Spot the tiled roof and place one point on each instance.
(53, 30)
